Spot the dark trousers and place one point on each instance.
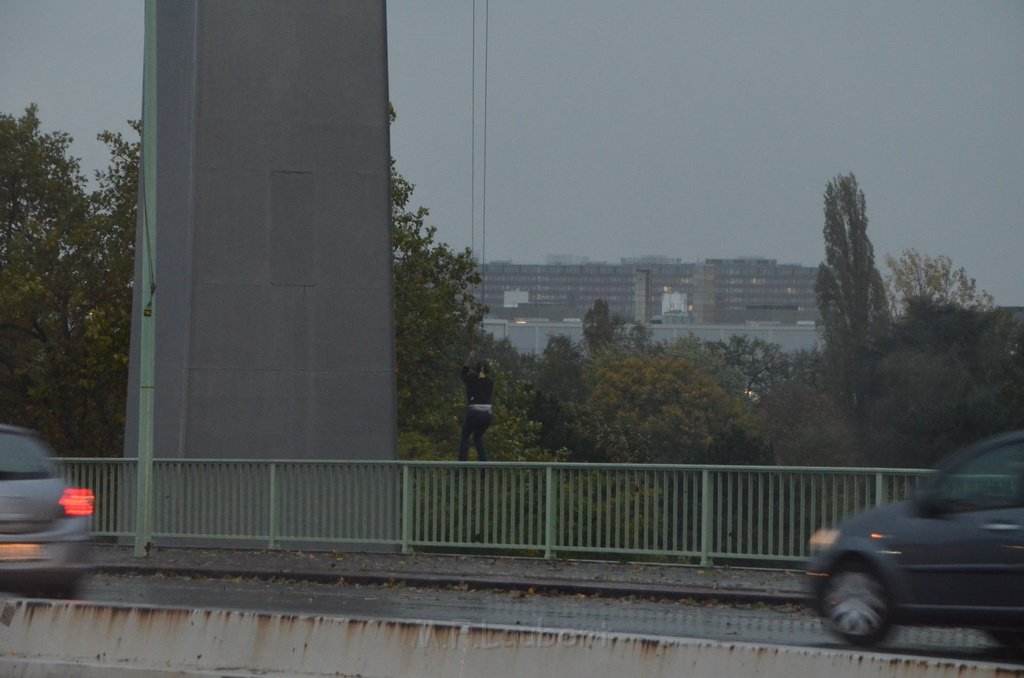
(475, 423)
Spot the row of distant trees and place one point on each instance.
(915, 363)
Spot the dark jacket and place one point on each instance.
(479, 386)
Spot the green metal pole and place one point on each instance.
(147, 322)
(273, 507)
(705, 517)
(549, 513)
(406, 509)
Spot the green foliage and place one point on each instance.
(918, 276)
(560, 370)
(436, 315)
(711, 360)
(666, 410)
(604, 508)
(806, 427)
(514, 435)
(435, 435)
(1011, 392)
(562, 427)
(504, 357)
(599, 328)
(850, 293)
(762, 366)
(437, 319)
(65, 287)
(939, 384)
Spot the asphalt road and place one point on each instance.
(782, 625)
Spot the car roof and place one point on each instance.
(979, 447)
(9, 428)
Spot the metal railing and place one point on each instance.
(698, 513)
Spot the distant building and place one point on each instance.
(674, 309)
(642, 296)
(513, 298)
(753, 289)
(717, 290)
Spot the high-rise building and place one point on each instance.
(748, 289)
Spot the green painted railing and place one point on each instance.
(701, 513)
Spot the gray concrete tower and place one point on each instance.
(274, 324)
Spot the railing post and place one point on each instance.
(705, 517)
(879, 489)
(406, 536)
(549, 512)
(274, 528)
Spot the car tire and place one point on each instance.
(856, 604)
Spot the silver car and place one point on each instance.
(44, 523)
(952, 555)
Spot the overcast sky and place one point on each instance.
(679, 128)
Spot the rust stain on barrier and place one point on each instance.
(255, 637)
(649, 645)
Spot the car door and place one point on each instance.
(964, 548)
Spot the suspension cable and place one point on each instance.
(483, 216)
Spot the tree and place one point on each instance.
(763, 365)
(107, 287)
(850, 293)
(666, 410)
(919, 276)
(710, 360)
(599, 328)
(515, 435)
(437, 319)
(65, 288)
(436, 314)
(560, 370)
(1011, 393)
(939, 384)
(806, 427)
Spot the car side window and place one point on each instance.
(23, 457)
(992, 480)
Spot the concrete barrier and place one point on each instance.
(46, 638)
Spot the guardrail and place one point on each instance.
(701, 513)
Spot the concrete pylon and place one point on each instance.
(274, 331)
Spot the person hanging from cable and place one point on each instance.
(479, 389)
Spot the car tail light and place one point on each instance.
(77, 501)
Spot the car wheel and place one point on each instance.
(856, 604)
(1011, 640)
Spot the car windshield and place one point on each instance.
(23, 457)
(993, 480)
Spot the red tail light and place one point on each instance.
(78, 501)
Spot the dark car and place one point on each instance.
(44, 523)
(952, 555)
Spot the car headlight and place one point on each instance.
(822, 539)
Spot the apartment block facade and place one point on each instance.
(717, 290)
